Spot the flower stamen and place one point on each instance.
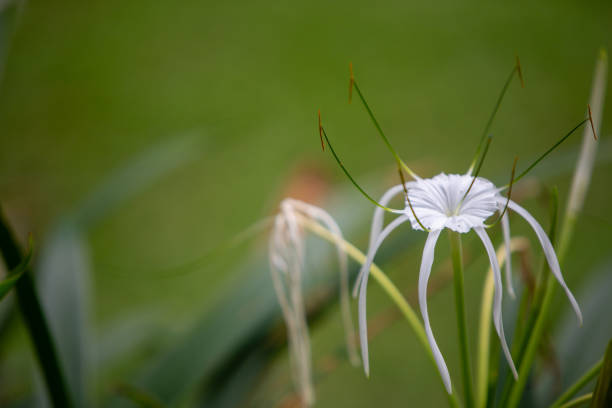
(509, 194)
(361, 190)
(400, 162)
(516, 69)
(484, 154)
(539, 159)
(408, 200)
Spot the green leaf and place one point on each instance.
(8, 21)
(136, 175)
(234, 335)
(602, 396)
(13, 276)
(64, 269)
(578, 349)
(63, 282)
(138, 397)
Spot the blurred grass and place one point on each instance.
(89, 85)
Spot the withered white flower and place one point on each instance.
(286, 254)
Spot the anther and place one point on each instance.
(321, 132)
(520, 71)
(591, 120)
(351, 82)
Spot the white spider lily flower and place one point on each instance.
(460, 203)
(286, 253)
(441, 202)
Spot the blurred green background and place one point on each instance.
(89, 86)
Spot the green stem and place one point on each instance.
(578, 192)
(542, 317)
(483, 365)
(532, 346)
(456, 255)
(484, 342)
(577, 386)
(388, 287)
(36, 323)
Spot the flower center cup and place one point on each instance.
(440, 202)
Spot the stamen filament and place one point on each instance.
(408, 200)
(484, 154)
(539, 159)
(509, 194)
(373, 201)
(517, 69)
(399, 161)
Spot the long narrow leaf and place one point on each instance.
(602, 396)
(13, 276)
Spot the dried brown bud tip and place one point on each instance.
(520, 71)
(591, 120)
(321, 131)
(351, 81)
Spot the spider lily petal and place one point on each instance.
(377, 226)
(442, 202)
(549, 253)
(425, 271)
(506, 232)
(497, 300)
(439, 202)
(365, 272)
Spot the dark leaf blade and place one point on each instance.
(602, 396)
(64, 273)
(7, 284)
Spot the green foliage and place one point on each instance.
(602, 396)
(13, 276)
(87, 86)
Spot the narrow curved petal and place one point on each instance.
(377, 226)
(425, 271)
(497, 299)
(363, 325)
(506, 231)
(549, 253)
